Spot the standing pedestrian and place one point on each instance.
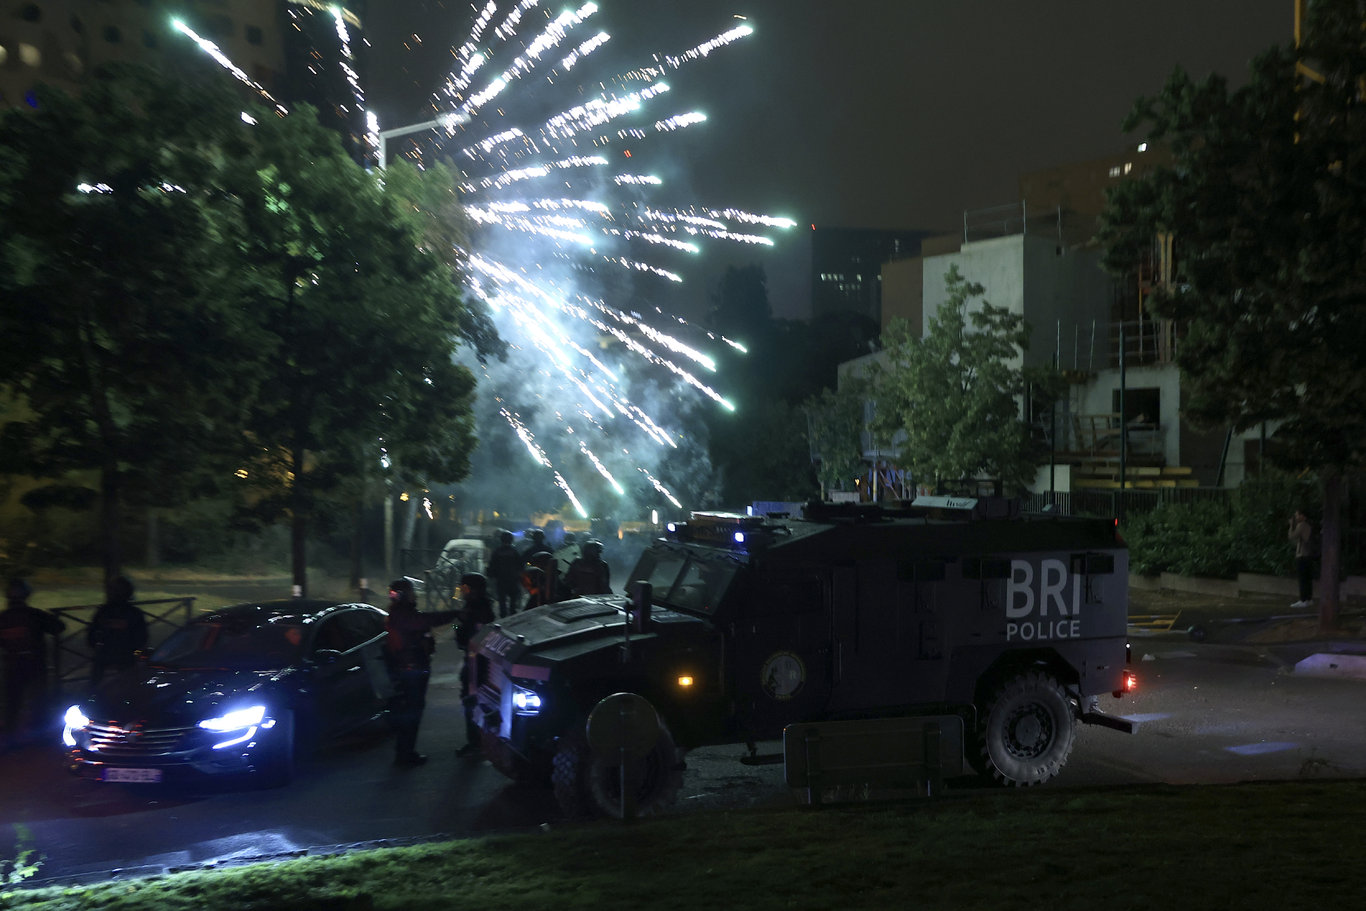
(477, 613)
(116, 632)
(505, 569)
(1302, 536)
(408, 654)
(24, 650)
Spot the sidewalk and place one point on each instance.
(1262, 623)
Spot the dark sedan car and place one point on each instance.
(245, 689)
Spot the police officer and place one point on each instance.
(505, 568)
(552, 585)
(477, 613)
(116, 632)
(589, 574)
(408, 654)
(24, 651)
(535, 544)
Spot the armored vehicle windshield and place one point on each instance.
(692, 581)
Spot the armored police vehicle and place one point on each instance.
(739, 626)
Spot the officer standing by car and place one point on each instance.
(24, 652)
(505, 569)
(116, 632)
(477, 614)
(408, 654)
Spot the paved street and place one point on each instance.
(1212, 712)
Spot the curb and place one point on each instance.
(1330, 664)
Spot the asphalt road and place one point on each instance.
(1211, 713)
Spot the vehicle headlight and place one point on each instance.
(241, 724)
(74, 720)
(525, 701)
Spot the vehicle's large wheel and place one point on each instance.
(277, 769)
(1026, 731)
(586, 785)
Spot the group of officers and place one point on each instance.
(411, 642)
(115, 634)
(534, 571)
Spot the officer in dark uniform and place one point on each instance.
(505, 569)
(589, 574)
(408, 653)
(116, 632)
(535, 539)
(552, 586)
(24, 651)
(477, 613)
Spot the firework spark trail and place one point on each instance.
(550, 38)
(213, 51)
(655, 482)
(602, 469)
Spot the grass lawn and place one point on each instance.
(1282, 846)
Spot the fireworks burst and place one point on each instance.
(558, 222)
(588, 384)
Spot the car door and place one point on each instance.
(344, 694)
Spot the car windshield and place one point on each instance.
(685, 580)
(234, 646)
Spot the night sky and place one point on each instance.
(876, 113)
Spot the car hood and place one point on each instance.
(168, 698)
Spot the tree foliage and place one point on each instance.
(950, 401)
(123, 336)
(835, 421)
(363, 318)
(220, 298)
(1266, 202)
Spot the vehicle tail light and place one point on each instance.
(1129, 684)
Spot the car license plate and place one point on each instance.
(142, 776)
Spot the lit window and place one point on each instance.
(30, 55)
(4, 55)
(1143, 147)
(1115, 171)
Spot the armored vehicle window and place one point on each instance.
(684, 581)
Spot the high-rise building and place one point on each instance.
(846, 268)
(296, 50)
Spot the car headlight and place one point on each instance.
(525, 701)
(241, 724)
(74, 720)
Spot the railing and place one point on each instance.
(1016, 218)
(71, 656)
(1085, 347)
(1107, 503)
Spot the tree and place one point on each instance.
(1265, 201)
(759, 450)
(950, 401)
(365, 318)
(835, 421)
(122, 339)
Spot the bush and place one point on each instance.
(1221, 538)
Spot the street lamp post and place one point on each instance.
(445, 122)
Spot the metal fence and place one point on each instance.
(1114, 503)
(71, 654)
